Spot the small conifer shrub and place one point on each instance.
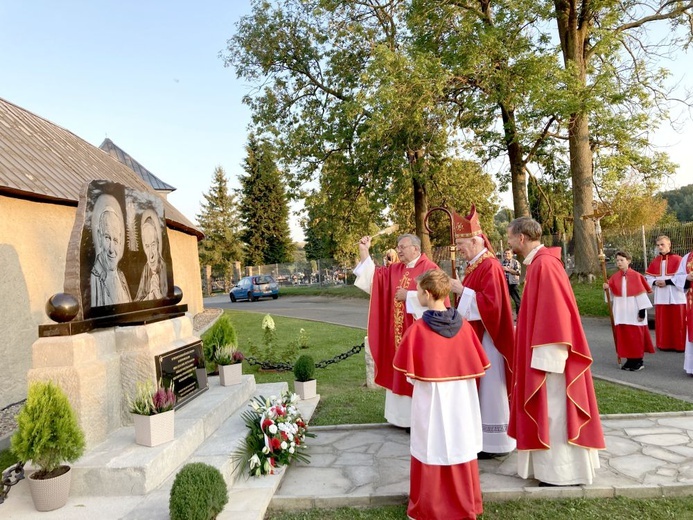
(304, 368)
(198, 493)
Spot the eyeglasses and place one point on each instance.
(404, 247)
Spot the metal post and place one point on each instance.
(644, 249)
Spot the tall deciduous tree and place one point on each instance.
(264, 208)
(218, 220)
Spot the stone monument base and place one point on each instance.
(100, 370)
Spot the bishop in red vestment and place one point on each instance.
(442, 358)
(390, 287)
(552, 371)
(485, 303)
(669, 300)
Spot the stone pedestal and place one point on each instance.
(99, 370)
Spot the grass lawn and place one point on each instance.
(576, 509)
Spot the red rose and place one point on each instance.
(267, 423)
(275, 443)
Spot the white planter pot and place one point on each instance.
(306, 389)
(230, 374)
(52, 493)
(152, 430)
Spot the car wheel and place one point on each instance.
(275, 296)
(251, 297)
(232, 297)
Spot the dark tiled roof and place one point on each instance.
(112, 149)
(42, 161)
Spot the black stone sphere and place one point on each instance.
(62, 307)
(177, 294)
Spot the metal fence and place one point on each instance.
(640, 243)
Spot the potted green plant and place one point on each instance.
(48, 435)
(304, 372)
(219, 335)
(229, 360)
(152, 412)
(199, 492)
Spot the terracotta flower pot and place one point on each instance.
(152, 430)
(51, 493)
(230, 374)
(306, 389)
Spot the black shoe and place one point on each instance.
(484, 455)
(546, 484)
(637, 367)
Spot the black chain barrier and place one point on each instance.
(266, 365)
(11, 477)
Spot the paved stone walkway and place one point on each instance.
(647, 456)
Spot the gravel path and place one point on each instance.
(8, 423)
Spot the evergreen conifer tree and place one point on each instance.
(264, 209)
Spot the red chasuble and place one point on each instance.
(548, 315)
(487, 278)
(655, 267)
(635, 283)
(689, 298)
(388, 319)
(427, 356)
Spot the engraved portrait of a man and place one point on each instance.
(108, 283)
(153, 281)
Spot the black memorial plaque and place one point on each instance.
(185, 367)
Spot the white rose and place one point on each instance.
(273, 428)
(284, 445)
(291, 450)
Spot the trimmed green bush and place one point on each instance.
(304, 368)
(47, 430)
(219, 335)
(198, 493)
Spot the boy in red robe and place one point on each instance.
(441, 357)
(629, 303)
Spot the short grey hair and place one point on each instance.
(415, 241)
(526, 226)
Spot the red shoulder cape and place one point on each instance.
(427, 356)
(487, 278)
(388, 319)
(655, 267)
(549, 315)
(635, 283)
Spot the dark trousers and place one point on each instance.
(512, 289)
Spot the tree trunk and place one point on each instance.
(420, 210)
(582, 175)
(518, 174)
(574, 23)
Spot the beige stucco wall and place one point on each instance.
(34, 237)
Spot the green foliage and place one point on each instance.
(7, 459)
(198, 493)
(304, 368)
(272, 351)
(218, 220)
(219, 335)
(264, 209)
(680, 201)
(47, 430)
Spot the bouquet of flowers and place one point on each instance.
(277, 435)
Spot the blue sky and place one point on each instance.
(147, 74)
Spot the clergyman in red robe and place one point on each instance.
(392, 288)
(552, 372)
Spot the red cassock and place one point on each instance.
(487, 278)
(441, 492)
(670, 320)
(632, 341)
(388, 319)
(549, 315)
